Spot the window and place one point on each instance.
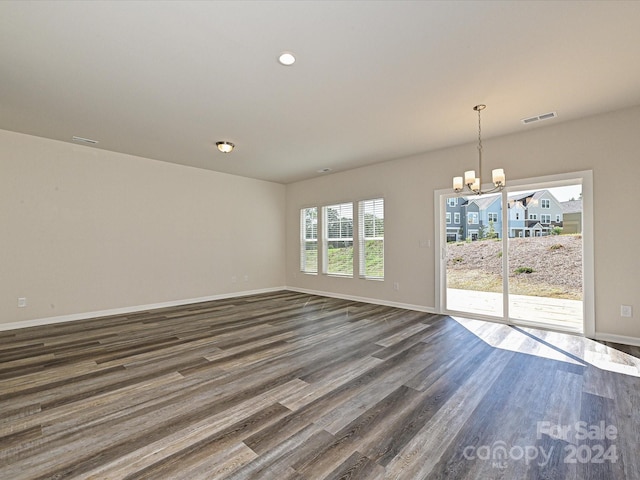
(371, 232)
(448, 217)
(452, 202)
(545, 203)
(545, 218)
(492, 216)
(338, 239)
(309, 240)
(456, 217)
(558, 217)
(533, 216)
(472, 217)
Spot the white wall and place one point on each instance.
(607, 144)
(86, 230)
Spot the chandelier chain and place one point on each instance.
(479, 146)
(472, 182)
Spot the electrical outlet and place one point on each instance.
(626, 311)
(22, 302)
(396, 286)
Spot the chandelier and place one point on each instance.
(470, 180)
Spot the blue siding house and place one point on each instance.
(531, 214)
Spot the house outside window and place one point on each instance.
(448, 217)
(456, 218)
(492, 217)
(472, 218)
(558, 217)
(533, 216)
(545, 203)
(452, 202)
(545, 218)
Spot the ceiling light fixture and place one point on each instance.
(225, 147)
(287, 59)
(472, 182)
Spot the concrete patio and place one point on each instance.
(556, 313)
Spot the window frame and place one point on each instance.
(376, 206)
(304, 241)
(328, 226)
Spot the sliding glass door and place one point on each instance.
(545, 258)
(474, 255)
(517, 256)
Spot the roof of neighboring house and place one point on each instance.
(521, 196)
(527, 197)
(484, 201)
(572, 206)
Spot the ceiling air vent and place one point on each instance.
(544, 116)
(88, 141)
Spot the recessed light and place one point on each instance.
(225, 147)
(287, 59)
(88, 141)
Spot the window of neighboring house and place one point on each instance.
(456, 217)
(448, 217)
(533, 216)
(545, 218)
(558, 217)
(371, 233)
(472, 217)
(452, 202)
(337, 245)
(517, 215)
(309, 240)
(492, 217)
(545, 203)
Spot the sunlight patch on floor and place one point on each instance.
(552, 345)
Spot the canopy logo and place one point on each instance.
(583, 443)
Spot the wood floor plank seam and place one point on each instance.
(287, 385)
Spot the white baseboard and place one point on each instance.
(375, 301)
(623, 339)
(137, 308)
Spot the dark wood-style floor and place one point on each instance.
(289, 385)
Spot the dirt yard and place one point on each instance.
(540, 266)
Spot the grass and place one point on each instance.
(524, 270)
(340, 260)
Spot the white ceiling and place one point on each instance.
(373, 81)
